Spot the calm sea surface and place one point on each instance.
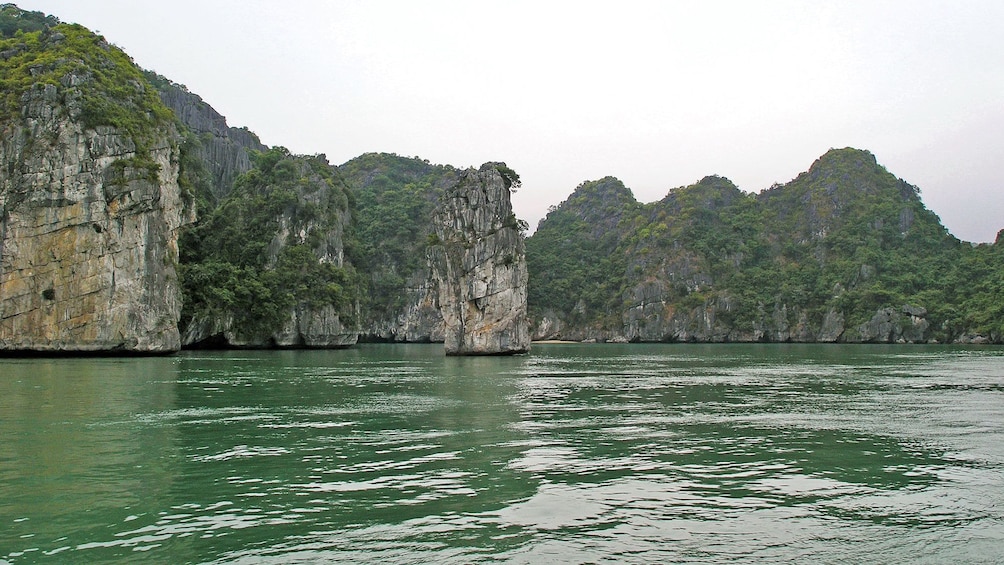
(572, 454)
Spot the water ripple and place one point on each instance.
(569, 455)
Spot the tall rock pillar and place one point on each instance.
(478, 261)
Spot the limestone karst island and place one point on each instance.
(133, 219)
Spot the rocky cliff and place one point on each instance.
(222, 150)
(90, 205)
(267, 267)
(479, 265)
(442, 252)
(846, 252)
(280, 310)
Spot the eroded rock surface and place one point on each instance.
(88, 233)
(479, 266)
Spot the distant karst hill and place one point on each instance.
(845, 252)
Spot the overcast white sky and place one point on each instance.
(658, 94)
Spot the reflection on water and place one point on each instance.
(572, 454)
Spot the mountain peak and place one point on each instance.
(14, 19)
(846, 175)
(847, 157)
(711, 192)
(605, 189)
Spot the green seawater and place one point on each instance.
(571, 454)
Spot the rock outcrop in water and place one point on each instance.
(442, 253)
(445, 261)
(479, 266)
(89, 210)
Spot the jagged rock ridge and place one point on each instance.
(223, 150)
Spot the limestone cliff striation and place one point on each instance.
(90, 205)
(479, 265)
(221, 149)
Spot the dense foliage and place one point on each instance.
(98, 84)
(974, 291)
(394, 202)
(572, 259)
(267, 247)
(845, 237)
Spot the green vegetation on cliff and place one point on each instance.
(394, 199)
(974, 292)
(572, 257)
(862, 236)
(96, 82)
(817, 258)
(273, 243)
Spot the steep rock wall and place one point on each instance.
(652, 316)
(88, 233)
(222, 149)
(305, 327)
(478, 265)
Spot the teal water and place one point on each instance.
(572, 454)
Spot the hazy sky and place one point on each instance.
(658, 94)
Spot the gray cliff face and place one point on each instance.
(442, 254)
(891, 325)
(88, 243)
(661, 322)
(479, 267)
(223, 149)
(656, 319)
